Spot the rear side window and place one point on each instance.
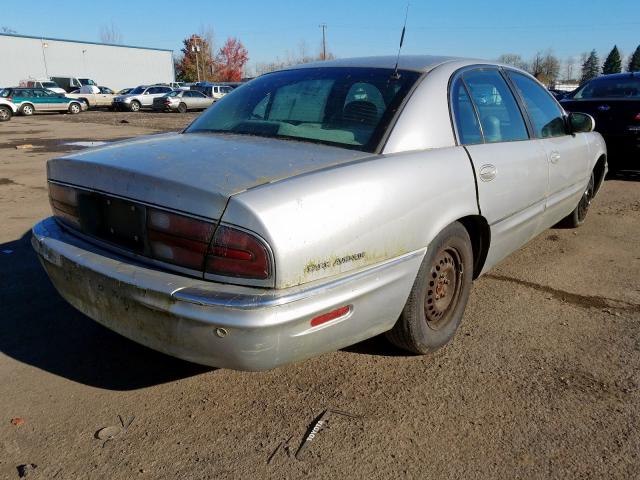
(499, 113)
(546, 116)
(465, 117)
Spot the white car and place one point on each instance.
(140, 97)
(48, 84)
(316, 207)
(7, 109)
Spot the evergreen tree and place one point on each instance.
(590, 67)
(634, 61)
(613, 63)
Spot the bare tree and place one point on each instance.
(514, 60)
(545, 67)
(110, 34)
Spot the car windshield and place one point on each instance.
(620, 87)
(86, 81)
(49, 85)
(349, 107)
(137, 91)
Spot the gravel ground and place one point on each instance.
(541, 381)
(161, 122)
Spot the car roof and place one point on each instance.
(418, 63)
(618, 75)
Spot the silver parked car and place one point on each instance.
(140, 97)
(316, 207)
(181, 101)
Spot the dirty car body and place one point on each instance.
(292, 218)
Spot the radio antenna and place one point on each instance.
(404, 28)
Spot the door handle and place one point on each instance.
(554, 157)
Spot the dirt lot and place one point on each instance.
(542, 380)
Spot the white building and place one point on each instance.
(115, 66)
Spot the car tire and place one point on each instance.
(75, 108)
(182, 108)
(134, 106)
(439, 295)
(5, 113)
(27, 110)
(579, 214)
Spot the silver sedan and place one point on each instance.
(182, 101)
(316, 207)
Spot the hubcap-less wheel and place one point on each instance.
(5, 114)
(27, 110)
(74, 108)
(135, 106)
(444, 288)
(585, 201)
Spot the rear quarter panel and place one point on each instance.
(341, 219)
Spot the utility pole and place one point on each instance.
(323, 26)
(196, 49)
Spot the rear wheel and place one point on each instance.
(579, 214)
(75, 108)
(27, 110)
(135, 106)
(439, 295)
(5, 113)
(182, 108)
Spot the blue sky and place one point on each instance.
(271, 28)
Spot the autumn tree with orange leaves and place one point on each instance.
(230, 61)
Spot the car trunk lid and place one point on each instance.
(194, 173)
(612, 116)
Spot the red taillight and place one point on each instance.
(178, 239)
(332, 315)
(10, 99)
(236, 253)
(64, 203)
(637, 117)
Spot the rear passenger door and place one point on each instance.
(568, 155)
(511, 168)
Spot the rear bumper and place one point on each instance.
(216, 324)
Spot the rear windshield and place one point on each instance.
(609, 88)
(49, 85)
(348, 107)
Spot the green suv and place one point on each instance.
(36, 100)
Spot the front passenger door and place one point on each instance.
(511, 169)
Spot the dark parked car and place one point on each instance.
(614, 102)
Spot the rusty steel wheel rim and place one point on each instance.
(443, 288)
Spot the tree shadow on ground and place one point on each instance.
(39, 328)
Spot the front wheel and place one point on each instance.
(135, 106)
(579, 214)
(75, 108)
(5, 113)
(439, 294)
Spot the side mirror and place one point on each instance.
(581, 123)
